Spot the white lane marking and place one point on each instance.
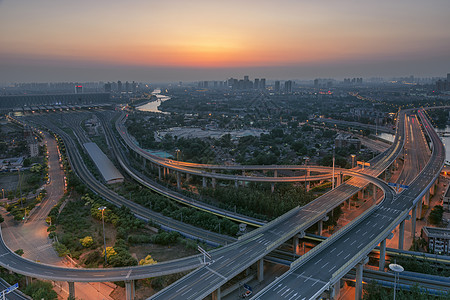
(293, 296)
(339, 254)
(317, 261)
(277, 287)
(129, 273)
(186, 292)
(333, 249)
(347, 256)
(325, 265)
(220, 275)
(285, 291)
(353, 242)
(284, 287)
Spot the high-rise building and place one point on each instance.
(127, 87)
(119, 86)
(277, 86)
(78, 89)
(108, 87)
(133, 87)
(448, 77)
(316, 82)
(288, 86)
(263, 83)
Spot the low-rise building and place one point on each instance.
(343, 140)
(438, 239)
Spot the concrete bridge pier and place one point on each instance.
(413, 222)
(374, 193)
(426, 199)
(401, 235)
(28, 280)
(359, 278)
(213, 183)
(321, 224)
(71, 290)
(432, 188)
(296, 239)
(236, 183)
(260, 269)
(216, 294)
(179, 180)
(205, 184)
(272, 187)
(188, 177)
(335, 291)
(419, 209)
(129, 289)
(159, 172)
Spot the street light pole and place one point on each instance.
(102, 208)
(353, 160)
(397, 269)
(306, 158)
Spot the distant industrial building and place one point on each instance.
(438, 239)
(443, 85)
(10, 102)
(346, 140)
(108, 171)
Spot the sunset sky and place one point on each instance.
(146, 40)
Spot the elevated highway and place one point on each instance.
(270, 236)
(321, 269)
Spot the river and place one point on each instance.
(153, 106)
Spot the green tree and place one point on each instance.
(87, 241)
(435, 216)
(40, 290)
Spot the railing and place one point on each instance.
(304, 258)
(353, 261)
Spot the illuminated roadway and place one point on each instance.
(270, 236)
(312, 274)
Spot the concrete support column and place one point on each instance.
(216, 294)
(336, 292)
(413, 222)
(275, 173)
(349, 201)
(28, 280)
(159, 172)
(361, 194)
(236, 183)
(71, 290)
(427, 199)
(145, 162)
(432, 189)
(359, 278)
(164, 172)
(204, 182)
(319, 231)
(129, 289)
(188, 177)
(419, 209)
(179, 180)
(272, 187)
(374, 193)
(213, 183)
(295, 243)
(308, 185)
(401, 235)
(382, 255)
(260, 270)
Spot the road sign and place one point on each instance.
(362, 163)
(9, 290)
(392, 184)
(403, 186)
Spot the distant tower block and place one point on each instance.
(78, 89)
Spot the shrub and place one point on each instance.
(87, 241)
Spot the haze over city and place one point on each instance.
(192, 40)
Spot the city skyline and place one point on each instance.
(175, 40)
